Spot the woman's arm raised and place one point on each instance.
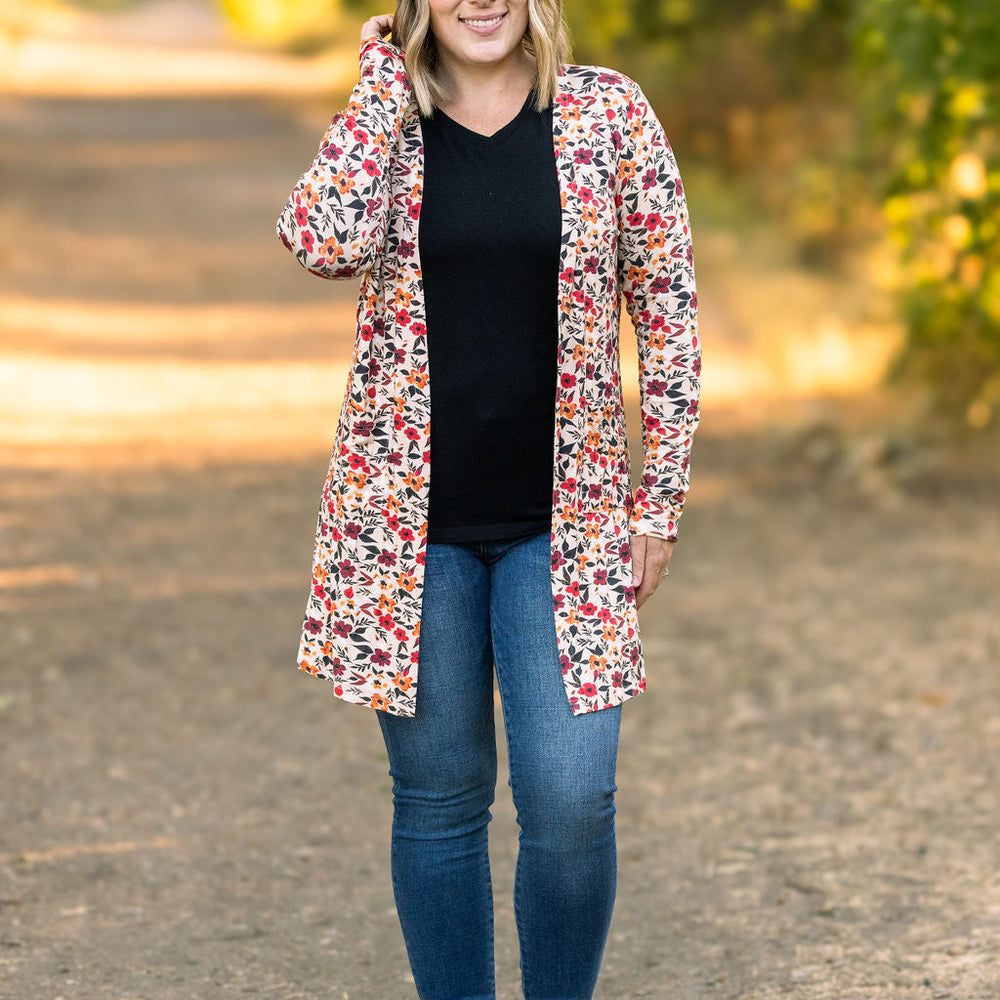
(656, 271)
(336, 217)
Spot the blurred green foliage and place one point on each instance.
(930, 72)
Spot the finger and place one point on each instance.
(646, 588)
(638, 559)
(376, 27)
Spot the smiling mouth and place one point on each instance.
(483, 22)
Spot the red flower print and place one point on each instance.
(588, 690)
(347, 569)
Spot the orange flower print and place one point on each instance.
(331, 248)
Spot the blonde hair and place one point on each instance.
(546, 38)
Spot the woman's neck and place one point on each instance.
(469, 85)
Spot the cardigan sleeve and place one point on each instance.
(657, 281)
(336, 218)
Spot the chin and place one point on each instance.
(486, 54)
(488, 51)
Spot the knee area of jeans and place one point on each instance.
(433, 813)
(567, 820)
(437, 775)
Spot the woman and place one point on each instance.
(497, 203)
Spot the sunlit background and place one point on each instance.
(840, 158)
(807, 791)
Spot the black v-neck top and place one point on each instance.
(490, 232)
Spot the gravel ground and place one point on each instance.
(807, 793)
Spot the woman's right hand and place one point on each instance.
(377, 26)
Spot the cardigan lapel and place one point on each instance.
(406, 327)
(572, 333)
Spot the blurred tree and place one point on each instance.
(300, 26)
(758, 90)
(930, 72)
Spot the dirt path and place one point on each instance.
(807, 798)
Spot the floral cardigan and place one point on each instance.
(626, 233)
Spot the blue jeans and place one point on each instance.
(485, 604)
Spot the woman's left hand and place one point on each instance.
(650, 557)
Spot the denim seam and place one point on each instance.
(518, 919)
(489, 895)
